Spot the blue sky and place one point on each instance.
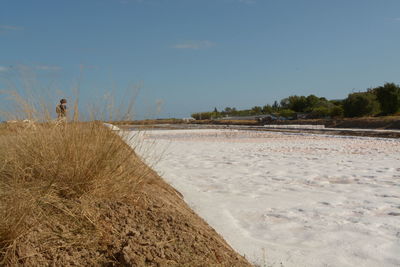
(194, 55)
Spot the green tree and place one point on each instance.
(337, 102)
(321, 112)
(202, 115)
(304, 104)
(196, 116)
(287, 113)
(256, 110)
(388, 97)
(360, 104)
(337, 111)
(267, 109)
(285, 103)
(275, 106)
(312, 101)
(228, 110)
(297, 103)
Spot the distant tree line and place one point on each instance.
(382, 100)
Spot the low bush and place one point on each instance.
(287, 113)
(360, 104)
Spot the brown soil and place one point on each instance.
(157, 228)
(367, 123)
(227, 122)
(148, 122)
(388, 122)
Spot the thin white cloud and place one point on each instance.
(46, 67)
(392, 19)
(194, 45)
(10, 28)
(87, 67)
(22, 67)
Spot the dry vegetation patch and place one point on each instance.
(76, 194)
(52, 179)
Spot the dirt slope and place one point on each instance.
(157, 228)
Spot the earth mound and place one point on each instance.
(155, 229)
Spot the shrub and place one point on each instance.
(360, 104)
(202, 115)
(287, 113)
(388, 97)
(320, 112)
(337, 111)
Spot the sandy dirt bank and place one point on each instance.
(157, 229)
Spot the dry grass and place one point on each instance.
(52, 179)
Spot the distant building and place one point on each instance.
(300, 116)
(259, 118)
(188, 119)
(266, 118)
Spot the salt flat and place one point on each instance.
(288, 199)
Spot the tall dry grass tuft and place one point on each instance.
(54, 178)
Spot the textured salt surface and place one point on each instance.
(290, 199)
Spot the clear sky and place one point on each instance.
(194, 55)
